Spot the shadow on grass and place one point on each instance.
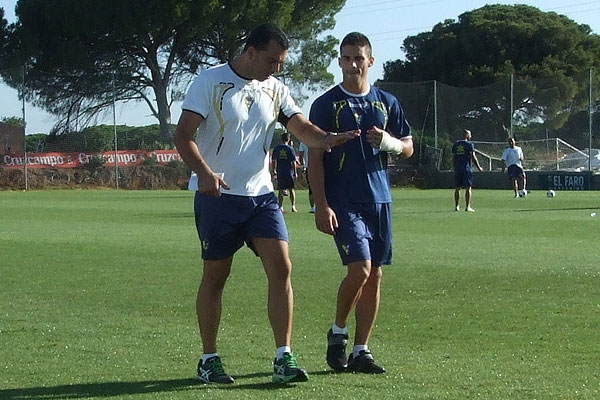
(171, 215)
(558, 209)
(117, 389)
(451, 211)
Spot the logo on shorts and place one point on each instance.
(204, 244)
(346, 249)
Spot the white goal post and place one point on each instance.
(553, 154)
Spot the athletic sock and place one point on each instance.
(281, 350)
(336, 330)
(358, 348)
(207, 356)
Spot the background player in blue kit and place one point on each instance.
(351, 189)
(232, 110)
(285, 162)
(463, 155)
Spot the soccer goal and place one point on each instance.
(553, 154)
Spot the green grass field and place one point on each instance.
(97, 292)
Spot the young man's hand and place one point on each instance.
(333, 139)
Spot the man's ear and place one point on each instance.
(251, 51)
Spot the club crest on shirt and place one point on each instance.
(249, 101)
(283, 155)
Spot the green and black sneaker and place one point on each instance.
(212, 371)
(286, 370)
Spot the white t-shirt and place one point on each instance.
(513, 156)
(239, 121)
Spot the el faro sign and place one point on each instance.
(568, 181)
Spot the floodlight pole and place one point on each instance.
(115, 132)
(24, 123)
(591, 111)
(435, 121)
(512, 95)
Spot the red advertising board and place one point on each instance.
(124, 158)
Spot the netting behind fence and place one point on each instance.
(524, 108)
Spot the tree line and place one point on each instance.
(549, 54)
(76, 54)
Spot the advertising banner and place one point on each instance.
(124, 158)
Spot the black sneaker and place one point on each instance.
(286, 370)
(212, 371)
(364, 363)
(336, 351)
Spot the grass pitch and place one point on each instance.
(97, 292)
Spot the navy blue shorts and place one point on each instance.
(364, 233)
(514, 171)
(225, 223)
(285, 181)
(463, 179)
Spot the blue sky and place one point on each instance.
(386, 22)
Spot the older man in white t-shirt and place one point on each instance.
(513, 157)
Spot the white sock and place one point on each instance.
(207, 356)
(336, 330)
(358, 348)
(281, 350)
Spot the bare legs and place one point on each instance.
(209, 301)
(292, 194)
(467, 197)
(280, 304)
(361, 289)
(277, 265)
(519, 180)
(293, 199)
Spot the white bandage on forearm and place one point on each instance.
(391, 144)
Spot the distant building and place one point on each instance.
(11, 139)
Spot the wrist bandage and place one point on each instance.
(391, 144)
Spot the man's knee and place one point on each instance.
(359, 272)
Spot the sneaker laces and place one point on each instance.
(216, 367)
(289, 359)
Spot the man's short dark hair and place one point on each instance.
(285, 137)
(356, 39)
(260, 37)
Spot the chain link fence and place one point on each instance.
(560, 114)
(556, 121)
